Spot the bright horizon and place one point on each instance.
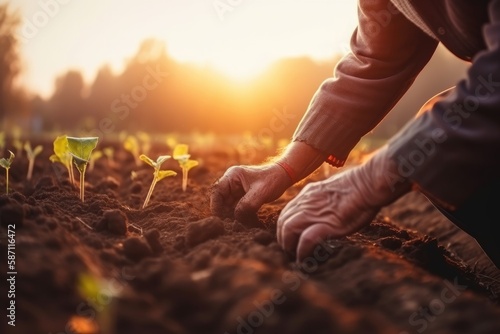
(240, 40)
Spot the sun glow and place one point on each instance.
(238, 38)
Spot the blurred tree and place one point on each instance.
(67, 103)
(9, 60)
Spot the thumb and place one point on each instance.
(247, 207)
(312, 238)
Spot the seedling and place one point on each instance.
(109, 152)
(96, 155)
(182, 156)
(63, 156)
(158, 174)
(31, 154)
(81, 149)
(145, 141)
(16, 141)
(18, 145)
(132, 145)
(2, 141)
(5, 163)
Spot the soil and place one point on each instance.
(109, 266)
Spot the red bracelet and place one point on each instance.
(288, 169)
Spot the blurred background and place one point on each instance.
(210, 66)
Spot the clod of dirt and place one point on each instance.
(263, 237)
(391, 243)
(45, 182)
(110, 183)
(11, 213)
(203, 230)
(136, 187)
(136, 249)
(114, 221)
(153, 238)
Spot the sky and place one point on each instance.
(238, 37)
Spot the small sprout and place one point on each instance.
(18, 145)
(182, 156)
(96, 155)
(2, 141)
(145, 140)
(16, 135)
(63, 156)
(133, 175)
(31, 154)
(109, 152)
(132, 145)
(81, 150)
(158, 174)
(171, 141)
(5, 163)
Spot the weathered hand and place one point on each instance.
(242, 190)
(338, 206)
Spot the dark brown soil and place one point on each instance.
(173, 268)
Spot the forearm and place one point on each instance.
(367, 83)
(302, 158)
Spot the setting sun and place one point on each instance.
(239, 38)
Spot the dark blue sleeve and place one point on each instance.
(453, 149)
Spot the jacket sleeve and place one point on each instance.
(387, 53)
(453, 149)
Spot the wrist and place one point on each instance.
(387, 184)
(299, 160)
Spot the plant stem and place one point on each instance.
(7, 180)
(184, 179)
(153, 184)
(71, 172)
(30, 169)
(82, 183)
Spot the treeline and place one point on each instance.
(157, 93)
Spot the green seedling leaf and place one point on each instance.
(31, 157)
(6, 163)
(63, 156)
(155, 164)
(61, 153)
(18, 145)
(190, 164)
(81, 150)
(96, 155)
(108, 152)
(158, 174)
(181, 154)
(2, 141)
(165, 173)
(132, 145)
(148, 160)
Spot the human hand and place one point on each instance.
(242, 190)
(338, 206)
